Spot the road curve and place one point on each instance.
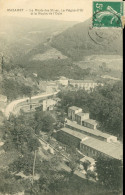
(10, 107)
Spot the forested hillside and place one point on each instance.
(81, 40)
(53, 68)
(104, 105)
(50, 48)
(19, 35)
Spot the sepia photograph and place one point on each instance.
(61, 97)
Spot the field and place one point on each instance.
(103, 64)
(50, 54)
(94, 61)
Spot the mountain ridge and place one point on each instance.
(81, 40)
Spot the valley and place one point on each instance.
(49, 70)
(44, 45)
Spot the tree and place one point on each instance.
(109, 172)
(91, 174)
(25, 164)
(74, 158)
(27, 90)
(19, 135)
(47, 123)
(13, 89)
(44, 121)
(8, 183)
(86, 165)
(105, 104)
(73, 165)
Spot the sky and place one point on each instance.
(85, 5)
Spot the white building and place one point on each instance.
(90, 161)
(80, 117)
(90, 132)
(72, 111)
(48, 104)
(84, 84)
(90, 123)
(63, 81)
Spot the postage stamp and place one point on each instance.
(107, 14)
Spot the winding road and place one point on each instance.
(11, 106)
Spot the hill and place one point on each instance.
(57, 48)
(81, 40)
(19, 35)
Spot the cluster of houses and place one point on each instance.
(81, 131)
(48, 104)
(87, 85)
(52, 86)
(44, 105)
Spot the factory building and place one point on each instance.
(81, 131)
(81, 117)
(72, 111)
(90, 132)
(90, 146)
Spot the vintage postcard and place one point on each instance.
(61, 97)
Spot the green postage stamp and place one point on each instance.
(107, 14)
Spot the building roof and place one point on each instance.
(57, 99)
(87, 158)
(91, 121)
(73, 133)
(52, 84)
(81, 114)
(81, 81)
(75, 108)
(63, 78)
(88, 130)
(113, 150)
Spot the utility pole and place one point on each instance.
(34, 166)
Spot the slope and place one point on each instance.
(81, 40)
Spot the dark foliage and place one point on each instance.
(8, 183)
(18, 135)
(44, 122)
(54, 68)
(13, 89)
(104, 105)
(80, 41)
(25, 164)
(109, 173)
